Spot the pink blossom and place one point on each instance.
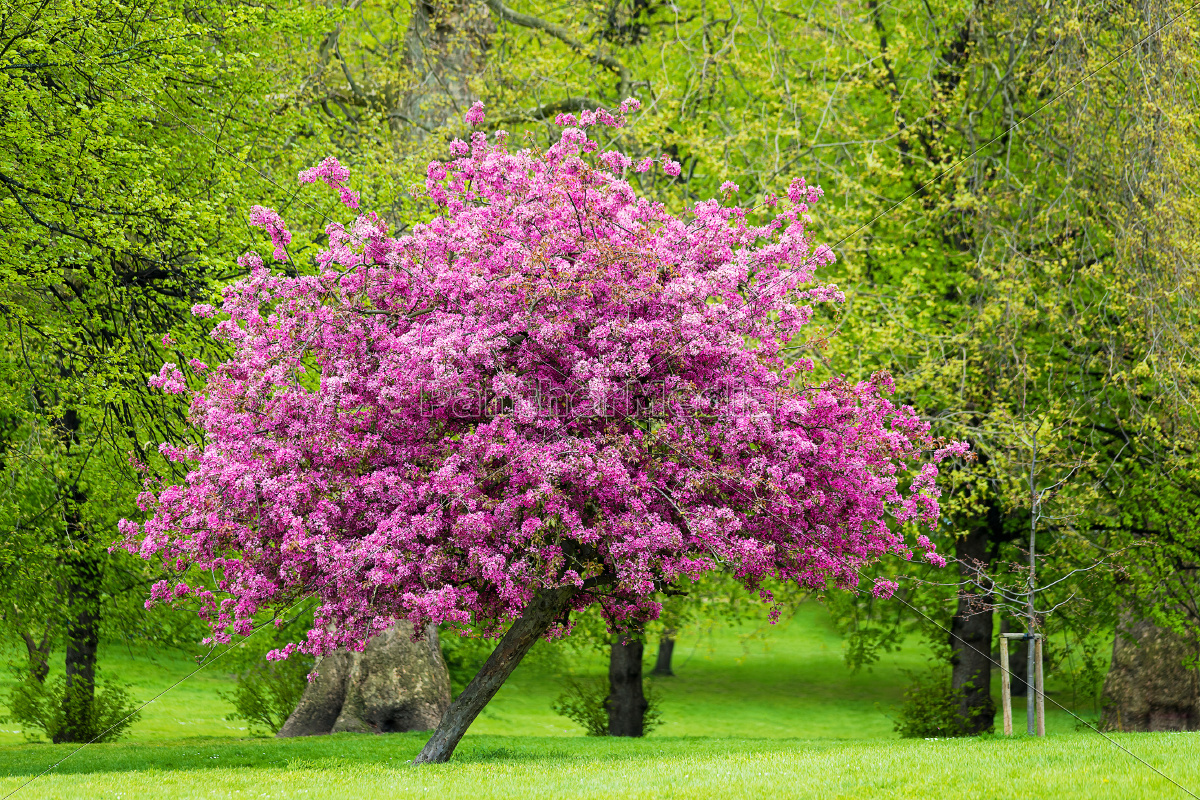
(438, 425)
(335, 176)
(474, 115)
(268, 218)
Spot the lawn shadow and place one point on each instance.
(341, 751)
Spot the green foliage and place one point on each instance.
(39, 707)
(930, 708)
(464, 655)
(267, 693)
(584, 701)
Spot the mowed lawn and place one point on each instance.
(777, 715)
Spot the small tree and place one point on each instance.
(554, 394)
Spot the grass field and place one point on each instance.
(775, 717)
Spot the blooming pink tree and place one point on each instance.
(554, 394)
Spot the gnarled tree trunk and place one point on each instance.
(1149, 687)
(393, 685)
(626, 699)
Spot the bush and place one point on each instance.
(38, 706)
(930, 708)
(585, 702)
(268, 692)
(464, 655)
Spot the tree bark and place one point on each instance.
(626, 699)
(39, 655)
(666, 649)
(545, 608)
(393, 685)
(1148, 686)
(82, 596)
(971, 633)
(446, 47)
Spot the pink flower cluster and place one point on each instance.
(324, 470)
(334, 175)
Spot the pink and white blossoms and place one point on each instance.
(554, 383)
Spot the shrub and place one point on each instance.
(464, 655)
(38, 706)
(585, 702)
(267, 692)
(930, 708)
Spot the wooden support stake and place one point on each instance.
(1040, 687)
(1005, 687)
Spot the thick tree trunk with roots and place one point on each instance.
(971, 633)
(1149, 687)
(542, 612)
(393, 685)
(626, 699)
(666, 649)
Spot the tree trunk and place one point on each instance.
(666, 649)
(39, 655)
(83, 569)
(971, 634)
(446, 47)
(82, 640)
(1148, 687)
(546, 607)
(626, 701)
(393, 685)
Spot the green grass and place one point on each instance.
(348, 766)
(778, 716)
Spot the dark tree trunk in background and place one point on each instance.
(971, 630)
(542, 612)
(1148, 687)
(666, 649)
(626, 699)
(394, 685)
(83, 568)
(446, 45)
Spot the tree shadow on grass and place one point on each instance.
(341, 751)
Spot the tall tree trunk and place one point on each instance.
(393, 685)
(626, 699)
(446, 47)
(83, 568)
(548, 606)
(666, 649)
(971, 631)
(1149, 687)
